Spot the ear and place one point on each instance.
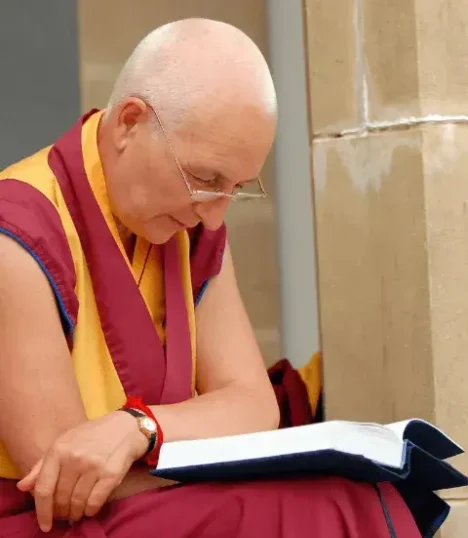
(129, 115)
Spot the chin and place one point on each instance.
(159, 237)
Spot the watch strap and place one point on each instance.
(134, 412)
(135, 405)
(153, 436)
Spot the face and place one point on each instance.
(147, 190)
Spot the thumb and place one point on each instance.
(29, 481)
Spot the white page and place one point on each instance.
(347, 437)
(400, 427)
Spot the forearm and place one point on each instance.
(228, 411)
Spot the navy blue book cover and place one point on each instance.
(419, 467)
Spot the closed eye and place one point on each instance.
(205, 182)
(245, 184)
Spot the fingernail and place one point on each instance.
(45, 528)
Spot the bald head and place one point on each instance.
(197, 69)
(207, 84)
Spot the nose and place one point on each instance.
(212, 213)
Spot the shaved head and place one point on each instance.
(195, 67)
(193, 110)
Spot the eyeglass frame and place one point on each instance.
(198, 195)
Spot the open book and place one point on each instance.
(411, 450)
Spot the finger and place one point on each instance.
(112, 475)
(80, 495)
(28, 482)
(68, 477)
(44, 490)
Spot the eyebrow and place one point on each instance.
(198, 171)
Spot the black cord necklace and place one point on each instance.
(144, 264)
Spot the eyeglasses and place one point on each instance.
(205, 195)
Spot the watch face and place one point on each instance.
(148, 424)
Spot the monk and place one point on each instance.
(121, 324)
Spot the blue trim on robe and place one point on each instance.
(204, 286)
(66, 320)
(201, 292)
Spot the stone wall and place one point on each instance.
(388, 82)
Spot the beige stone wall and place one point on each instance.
(109, 30)
(388, 85)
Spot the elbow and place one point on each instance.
(274, 414)
(260, 410)
(269, 412)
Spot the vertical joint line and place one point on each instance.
(362, 88)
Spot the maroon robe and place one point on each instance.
(291, 395)
(320, 508)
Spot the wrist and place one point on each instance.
(137, 440)
(148, 426)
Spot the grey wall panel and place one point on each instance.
(39, 74)
(294, 208)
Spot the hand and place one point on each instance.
(83, 467)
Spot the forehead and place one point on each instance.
(236, 147)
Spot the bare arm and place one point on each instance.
(236, 395)
(39, 395)
(39, 392)
(43, 422)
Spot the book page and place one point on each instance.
(427, 436)
(399, 428)
(374, 443)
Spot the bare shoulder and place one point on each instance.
(224, 285)
(221, 302)
(24, 289)
(16, 264)
(37, 382)
(227, 349)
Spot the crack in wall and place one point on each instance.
(366, 126)
(402, 124)
(362, 88)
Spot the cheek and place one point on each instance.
(148, 188)
(132, 191)
(169, 192)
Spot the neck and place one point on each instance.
(127, 237)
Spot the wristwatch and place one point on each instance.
(147, 427)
